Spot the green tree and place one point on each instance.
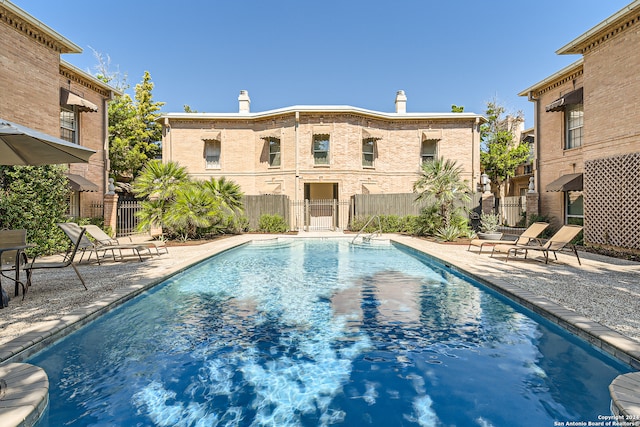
(457, 108)
(35, 198)
(441, 181)
(134, 132)
(501, 151)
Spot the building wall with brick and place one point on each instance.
(607, 73)
(244, 155)
(32, 76)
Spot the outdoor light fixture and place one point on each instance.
(486, 182)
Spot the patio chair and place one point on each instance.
(13, 260)
(150, 241)
(104, 242)
(527, 236)
(559, 241)
(75, 235)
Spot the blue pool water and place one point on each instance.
(320, 332)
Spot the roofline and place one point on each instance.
(90, 78)
(322, 109)
(64, 42)
(554, 77)
(573, 46)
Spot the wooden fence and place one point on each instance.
(267, 204)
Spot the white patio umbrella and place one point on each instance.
(20, 145)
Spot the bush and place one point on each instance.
(387, 224)
(272, 224)
(34, 198)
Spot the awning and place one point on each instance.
(569, 182)
(371, 134)
(80, 183)
(431, 134)
(371, 188)
(272, 188)
(571, 98)
(211, 135)
(68, 98)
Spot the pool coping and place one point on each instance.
(24, 388)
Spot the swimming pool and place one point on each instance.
(321, 332)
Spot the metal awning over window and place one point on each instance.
(571, 98)
(272, 188)
(569, 182)
(68, 98)
(371, 188)
(80, 183)
(211, 135)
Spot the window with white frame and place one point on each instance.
(574, 119)
(368, 152)
(212, 154)
(429, 150)
(69, 123)
(274, 152)
(321, 149)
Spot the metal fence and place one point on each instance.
(127, 221)
(320, 215)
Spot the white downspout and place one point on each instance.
(297, 168)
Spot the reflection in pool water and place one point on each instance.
(319, 332)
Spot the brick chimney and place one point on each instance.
(401, 102)
(244, 102)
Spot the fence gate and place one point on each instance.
(320, 215)
(127, 221)
(511, 209)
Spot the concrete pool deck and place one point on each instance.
(599, 301)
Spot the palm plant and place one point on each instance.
(160, 180)
(192, 208)
(440, 179)
(227, 192)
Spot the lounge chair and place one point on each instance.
(104, 243)
(527, 236)
(559, 241)
(75, 235)
(148, 240)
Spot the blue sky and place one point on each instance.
(335, 52)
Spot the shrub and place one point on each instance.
(272, 224)
(34, 198)
(448, 233)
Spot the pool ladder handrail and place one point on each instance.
(368, 238)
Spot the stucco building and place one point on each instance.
(41, 91)
(320, 152)
(587, 133)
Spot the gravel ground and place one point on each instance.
(606, 290)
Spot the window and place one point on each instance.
(73, 206)
(368, 150)
(69, 124)
(574, 121)
(274, 152)
(575, 206)
(321, 149)
(429, 150)
(212, 154)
